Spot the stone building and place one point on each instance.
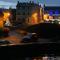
(12, 16)
(27, 13)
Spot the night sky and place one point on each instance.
(12, 3)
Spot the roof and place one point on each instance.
(52, 7)
(26, 4)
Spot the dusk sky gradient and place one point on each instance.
(7, 3)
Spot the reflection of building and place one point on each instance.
(27, 13)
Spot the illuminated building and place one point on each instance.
(50, 17)
(9, 14)
(53, 11)
(1, 20)
(8, 23)
(27, 13)
(41, 13)
(46, 17)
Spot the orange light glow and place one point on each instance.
(50, 17)
(1, 22)
(46, 16)
(34, 18)
(4, 18)
(6, 15)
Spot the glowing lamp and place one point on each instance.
(8, 14)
